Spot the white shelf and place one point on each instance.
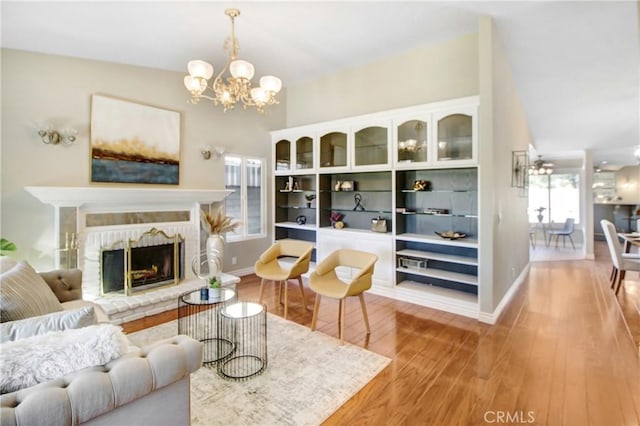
(441, 274)
(439, 256)
(421, 238)
(440, 292)
(293, 225)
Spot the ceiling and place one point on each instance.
(575, 64)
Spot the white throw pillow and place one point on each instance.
(38, 359)
(57, 321)
(25, 294)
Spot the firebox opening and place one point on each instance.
(149, 267)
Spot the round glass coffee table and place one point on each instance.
(198, 318)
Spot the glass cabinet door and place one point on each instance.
(412, 142)
(333, 150)
(304, 153)
(283, 155)
(455, 137)
(371, 146)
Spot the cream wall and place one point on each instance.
(56, 89)
(438, 72)
(503, 209)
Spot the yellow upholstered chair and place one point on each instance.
(325, 282)
(268, 268)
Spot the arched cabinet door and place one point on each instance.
(455, 136)
(412, 139)
(282, 156)
(304, 153)
(371, 146)
(334, 152)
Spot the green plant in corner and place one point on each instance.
(6, 245)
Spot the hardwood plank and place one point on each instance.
(565, 350)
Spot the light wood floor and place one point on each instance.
(561, 353)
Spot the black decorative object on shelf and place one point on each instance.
(301, 220)
(357, 198)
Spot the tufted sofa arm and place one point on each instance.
(65, 283)
(89, 393)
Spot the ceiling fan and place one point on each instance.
(541, 167)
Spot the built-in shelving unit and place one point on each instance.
(365, 168)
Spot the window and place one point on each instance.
(558, 195)
(244, 176)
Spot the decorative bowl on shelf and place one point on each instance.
(451, 235)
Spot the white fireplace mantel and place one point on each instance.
(70, 196)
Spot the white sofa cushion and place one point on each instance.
(25, 294)
(57, 321)
(37, 359)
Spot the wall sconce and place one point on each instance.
(207, 151)
(53, 137)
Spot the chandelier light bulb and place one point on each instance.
(200, 69)
(195, 85)
(271, 83)
(259, 95)
(241, 69)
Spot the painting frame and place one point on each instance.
(133, 142)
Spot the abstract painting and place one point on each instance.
(134, 143)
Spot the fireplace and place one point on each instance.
(136, 265)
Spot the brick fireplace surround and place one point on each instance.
(75, 209)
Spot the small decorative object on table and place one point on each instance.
(214, 287)
(421, 185)
(451, 235)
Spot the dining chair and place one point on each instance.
(325, 282)
(269, 268)
(621, 262)
(565, 232)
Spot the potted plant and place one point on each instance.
(309, 197)
(214, 287)
(217, 224)
(540, 216)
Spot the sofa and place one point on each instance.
(117, 384)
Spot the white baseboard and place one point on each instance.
(242, 272)
(492, 317)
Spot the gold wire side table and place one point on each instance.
(244, 323)
(198, 318)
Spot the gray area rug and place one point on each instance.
(308, 377)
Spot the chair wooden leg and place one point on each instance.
(364, 313)
(341, 316)
(613, 271)
(614, 277)
(621, 275)
(261, 290)
(279, 291)
(304, 299)
(316, 306)
(286, 298)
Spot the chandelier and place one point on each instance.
(412, 145)
(541, 167)
(227, 91)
